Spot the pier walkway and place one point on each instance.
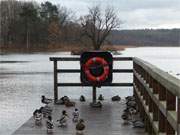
(99, 121)
(157, 95)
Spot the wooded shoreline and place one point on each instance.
(68, 48)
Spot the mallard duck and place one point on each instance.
(138, 124)
(63, 120)
(100, 97)
(80, 126)
(69, 103)
(124, 116)
(82, 98)
(49, 125)
(131, 103)
(45, 100)
(130, 98)
(116, 98)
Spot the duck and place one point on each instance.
(45, 100)
(69, 103)
(138, 124)
(132, 110)
(116, 98)
(82, 98)
(130, 98)
(100, 97)
(125, 116)
(80, 126)
(62, 100)
(131, 103)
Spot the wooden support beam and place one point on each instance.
(162, 122)
(171, 101)
(78, 71)
(55, 82)
(104, 85)
(155, 112)
(94, 94)
(155, 87)
(162, 93)
(150, 104)
(78, 58)
(178, 116)
(169, 129)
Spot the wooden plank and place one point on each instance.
(68, 70)
(64, 59)
(122, 70)
(108, 85)
(122, 58)
(78, 70)
(78, 58)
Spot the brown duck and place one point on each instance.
(80, 126)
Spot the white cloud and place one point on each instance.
(134, 13)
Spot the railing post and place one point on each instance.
(55, 82)
(94, 94)
(162, 121)
(162, 118)
(162, 92)
(178, 116)
(171, 106)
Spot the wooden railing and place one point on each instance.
(59, 84)
(158, 97)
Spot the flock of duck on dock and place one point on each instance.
(130, 113)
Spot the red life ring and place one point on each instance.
(93, 61)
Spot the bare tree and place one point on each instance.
(96, 26)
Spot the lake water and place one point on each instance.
(25, 77)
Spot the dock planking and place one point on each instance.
(99, 121)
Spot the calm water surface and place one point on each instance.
(25, 77)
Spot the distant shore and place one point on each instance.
(68, 48)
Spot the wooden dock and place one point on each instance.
(99, 121)
(157, 95)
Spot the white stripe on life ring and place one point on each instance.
(94, 59)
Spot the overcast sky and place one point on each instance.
(135, 14)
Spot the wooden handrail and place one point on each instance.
(78, 58)
(78, 70)
(168, 81)
(104, 85)
(158, 95)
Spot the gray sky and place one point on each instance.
(135, 14)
